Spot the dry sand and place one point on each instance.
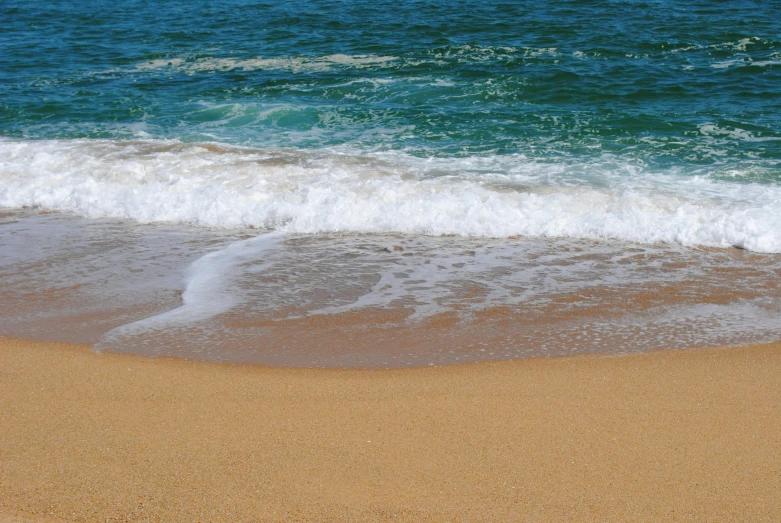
(670, 436)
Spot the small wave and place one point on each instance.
(744, 62)
(288, 63)
(309, 191)
(302, 63)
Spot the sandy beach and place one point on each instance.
(688, 435)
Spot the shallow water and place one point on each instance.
(368, 300)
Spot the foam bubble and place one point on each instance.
(710, 129)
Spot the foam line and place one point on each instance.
(312, 191)
(209, 288)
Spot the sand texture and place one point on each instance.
(669, 436)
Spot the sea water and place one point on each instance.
(340, 183)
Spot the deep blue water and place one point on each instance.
(666, 82)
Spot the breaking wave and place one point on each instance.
(308, 191)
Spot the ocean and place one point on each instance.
(387, 184)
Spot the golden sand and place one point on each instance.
(690, 435)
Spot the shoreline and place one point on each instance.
(372, 300)
(663, 435)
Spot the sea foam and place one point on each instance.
(212, 185)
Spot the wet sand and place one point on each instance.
(662, 436)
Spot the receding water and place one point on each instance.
(371, 300)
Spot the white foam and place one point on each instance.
(209, 289)
(710, 129)
(726, 64)
(331, 190)
(286, 63)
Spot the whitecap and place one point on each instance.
(310, 191)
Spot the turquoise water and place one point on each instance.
(419, 157)
(695, 83)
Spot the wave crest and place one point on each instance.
(212, 185)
